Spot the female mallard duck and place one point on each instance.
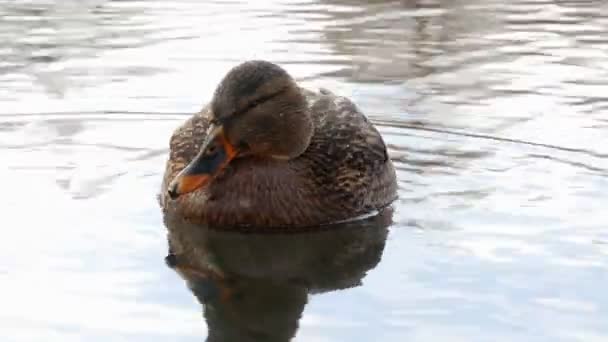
(267, 153)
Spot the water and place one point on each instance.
(492, 240)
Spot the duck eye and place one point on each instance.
(212, 149)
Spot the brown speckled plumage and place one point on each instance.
(344, 172)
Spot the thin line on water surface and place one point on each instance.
(487, 137)
(102, 112)
(383, 123)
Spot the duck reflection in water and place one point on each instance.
(255, 286)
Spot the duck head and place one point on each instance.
(257, 110)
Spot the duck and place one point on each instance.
(268, 153)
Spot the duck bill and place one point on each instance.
(215, 154)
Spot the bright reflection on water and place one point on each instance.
(492, 240)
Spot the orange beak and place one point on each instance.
(215, 154)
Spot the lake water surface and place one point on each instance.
(492, 239)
